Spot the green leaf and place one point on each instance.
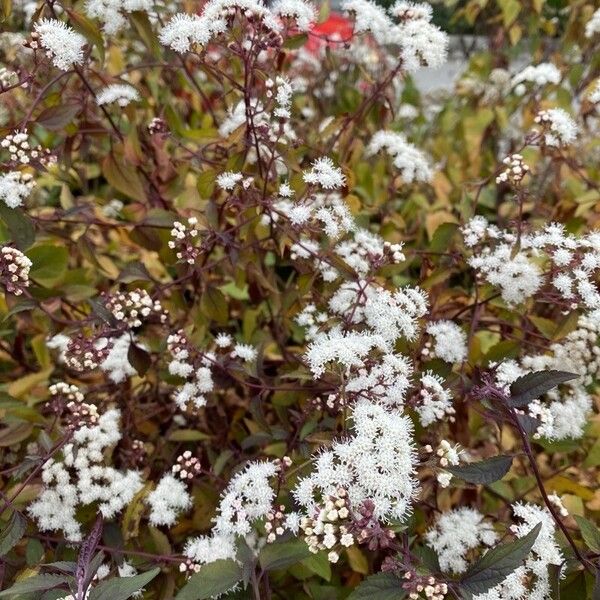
(19, 226)
(484, 471)
(121, 588)
(498, 563)
(49, 264)
(34, 552)
(214, 305)
(142, 23)
(319, 564)
(589, 532)
(188, 435)
(283, 554)
(88, 29)
(533, 385)
(596, 590)
(123, 177)
(382, 586)
(139, 359)
(12, 533)
(214, 578)
(295, 42)
(37, 583)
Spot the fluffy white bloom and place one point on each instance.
(228, 180)
(223, 340)
(81, 478)
(302, 11)
(62, 44)
(122, 94)
(116, 364)
(370, 17)
(592, 27)
(456, 532)
(111, 12)
(516, 276)
(410, 161)
(207, 549)
(184, 31)
(283, 97)
(244, 351)
(167, 500)
(559, 127)
(541, 74)
(324, 173)
(411, 10)
(248, 497)
(450, 341)
(422, 44)
(376, 464)
(532, 580)
(435, 402)
(15, 187)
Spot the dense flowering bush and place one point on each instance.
(278, 325)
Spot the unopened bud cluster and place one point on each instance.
(394, 251)
(14, 270)
(131, 307)
(184, 240)
(68, 392)
(7, 78)
(81, 414)
(515, 170)
(157, 125)
(20, 150)
(424, 587)
(324, 531)
(333, 402)
(187, 466)
(84, 354)
(275, 524)
(446, 454)
(189, 567)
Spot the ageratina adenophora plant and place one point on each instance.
(279, 323)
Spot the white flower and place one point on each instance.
(223, 340)
(302, 11)
(110, 12)
(82, 478)
(456, 533)
(244, 351)
(592, 27)
(15, 187)
(228, 180)
(560, 129)
(411, 162)
(541, 74)
(450, 341)
(376, 464)
(62, 44)
(122, 94)
(324, 173)
(167, 500)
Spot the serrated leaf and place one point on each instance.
(589, 532)
(382, 586)
(37, 583)
(498, 563)
(533, 385)
(121, 588)
(484, 471)
(213, 579)
(12, 533)
(283, 554)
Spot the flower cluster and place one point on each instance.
(14, 270)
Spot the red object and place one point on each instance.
(331, 32)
